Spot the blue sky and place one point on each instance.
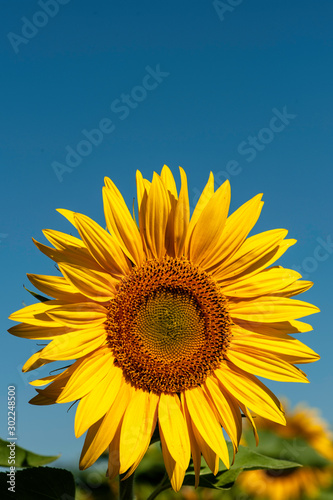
(243, 91)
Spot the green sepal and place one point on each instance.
(41, 298)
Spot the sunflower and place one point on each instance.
(305, 423)
(169, 320)
(286, 484)
(299, 482)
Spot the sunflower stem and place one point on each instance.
(164, 485)
(126, 491)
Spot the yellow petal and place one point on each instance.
(52, 391)
(113, 461)
(226, 415)
(265, 365)
(237, 227)
(75, 345)
(72, 255)
(182, 217)
(35, 361)
(93, 284)
(250, 391)
(61, 241)
(171, 190)
(79, 315)
(255, 254)
(98, 401)
(248, 415)
(207, 231)
(177, 477)
(41, 400)
(170, 227)
(134, 466)
(175, 472)
(281, 345)
(143, 188)
(295, 288)
(234, 406)
(205, 197)
(266, 282)
(172, 425)
(68, 214)
(209, 455)
(88, 372)
(195, 449)
(268, 259)
(273, 328)
(102, 246)
(270, 309)
(205, 422)
(137, 428)
(100, 434)
(43, 381)
(55, 286)
(169, 181)
(121, 224)
(219, 418)
(156, 218)
(36, 314)
(26, 331)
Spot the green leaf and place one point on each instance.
(23, 458)
(325, 495)
(246, 459)
(287, 449)
(41, 298)
(38, 483)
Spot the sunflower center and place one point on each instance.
(168, 326)
(280, 472)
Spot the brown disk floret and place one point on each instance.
(168, 326)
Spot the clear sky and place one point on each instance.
(243, 90)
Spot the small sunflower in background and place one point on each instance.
(169, 320)
(304, 434)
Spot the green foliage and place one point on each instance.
(246, 459)
(325, 495)
(296, 449)
(23, 458)
(38, 483)
(151, 469)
